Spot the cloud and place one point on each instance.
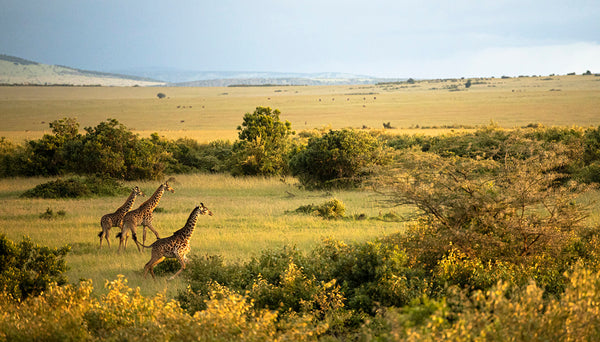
(534, 60)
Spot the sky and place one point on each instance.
(418, 39)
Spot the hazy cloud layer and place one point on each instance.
(380, 38)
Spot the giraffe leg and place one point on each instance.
(121, 246)
(123, 237)
(182, 262)
(134, 237)
(155, 260)
(101, 236)
(106, 236)
(105, 227)
(153, 230)
(144, 234)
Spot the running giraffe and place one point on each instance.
(142, 216)
(176, 245)
(116, 219)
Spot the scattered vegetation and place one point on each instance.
(500, 245)
(332, 209)
(49, 214)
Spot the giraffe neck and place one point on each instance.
(188, 229)
(128, 203)
(152, 202)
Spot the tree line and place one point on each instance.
(267, 146)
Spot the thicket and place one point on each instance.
(27, 269)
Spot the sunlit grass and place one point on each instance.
(207, 114)
(250, 215)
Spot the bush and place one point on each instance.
(111, 150)
(501, 313)
(331, 209)
(509, 210)
(27, 269)
(337, 159)
(77, 187)
(263, 145)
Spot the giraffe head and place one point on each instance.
(137, 191)
(204, 210)
(167, 186)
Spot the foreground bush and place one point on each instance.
(27, 269)
(70, 313)
(508, 210)
(502, 313)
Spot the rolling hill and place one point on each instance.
(19, 71)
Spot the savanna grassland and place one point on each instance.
(504, 174)
(207, 114)
(250, 215)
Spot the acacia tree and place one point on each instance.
(263, 145)
(488, 209)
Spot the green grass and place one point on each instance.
(250, 216)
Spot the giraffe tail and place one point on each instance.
(134, 237)
(100, 234)
(119, 235)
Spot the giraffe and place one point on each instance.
(116, 219)
(176, 245)
(142, 216)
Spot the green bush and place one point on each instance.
(341, 158)
(77, 187)
(263, 145)
(27, 269)
(501, 313)
(332, 209)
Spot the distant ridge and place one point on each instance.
(17, 60)
(190, 78)
(20, 71)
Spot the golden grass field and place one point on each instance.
(208, 114)
(251, 213)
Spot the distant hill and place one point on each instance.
(19, 71)
(190, 78)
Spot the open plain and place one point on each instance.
(206, 114)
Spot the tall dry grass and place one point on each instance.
(250, 216)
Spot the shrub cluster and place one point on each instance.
(27, 269)
(77, 187)
(332, 209)
(579, 146)
(337, 159)
(109, 150)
